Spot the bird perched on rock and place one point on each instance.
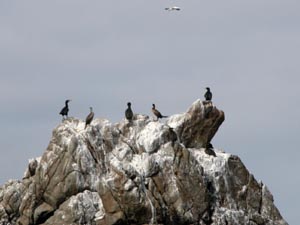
(64, 111)
(157, 113)
(209, 150)
(208, 94)
(173, 8)
(89, 117)
(128, 112)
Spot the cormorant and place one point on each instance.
(89, 118)
(157, 113)
(64, 111)
(128, 112)
(209, 150)
(208, 94)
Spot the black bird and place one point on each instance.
(64, 111)
(208, 94)
(157, 113)
(89, 117)
(209, 150)
(128, 112)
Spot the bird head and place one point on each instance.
(153, 106)
(128, 104)
(91, 109)
(207, 88)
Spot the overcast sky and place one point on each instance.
(105, 53)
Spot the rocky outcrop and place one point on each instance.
(138, 172)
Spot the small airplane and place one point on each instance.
(173, 8)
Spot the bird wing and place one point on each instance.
(172, 8)
(89, 118)
(157, 113)
(64, 110)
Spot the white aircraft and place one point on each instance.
(173, 8)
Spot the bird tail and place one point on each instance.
(164, 116)
(85, 126)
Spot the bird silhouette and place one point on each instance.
(173, 8)
(89, 117)
(64, 111)
(128, 112)
(208, 94)
(157, 113)
(209, 150)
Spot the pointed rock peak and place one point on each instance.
(197, 127)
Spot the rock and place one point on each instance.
(33, 163)
(3, 215)
(138, 172)
(42, 212)
(83, 208)
(198, 125)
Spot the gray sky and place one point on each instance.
(105, 53)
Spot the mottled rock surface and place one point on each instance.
(139, 172)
